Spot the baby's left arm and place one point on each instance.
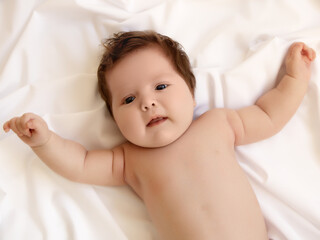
(274, 109)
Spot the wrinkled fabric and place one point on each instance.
(49, 55)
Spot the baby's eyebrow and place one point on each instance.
(162, 75)
(120, 97)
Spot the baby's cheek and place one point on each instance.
(131, 130)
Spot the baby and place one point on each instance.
(184, 170)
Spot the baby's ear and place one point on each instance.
(194, 102)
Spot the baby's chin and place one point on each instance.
(155, 144)
(158, 141)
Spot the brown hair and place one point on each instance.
(123, 43)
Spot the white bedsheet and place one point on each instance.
(50, 51)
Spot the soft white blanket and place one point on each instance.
(50, 51)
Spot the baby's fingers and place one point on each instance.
(30, 128)
(26, 123)
(309, 53)
(300, 50)
(296, 48)
(19, 125)
(6, 126)
(12, 124)
(22, 126)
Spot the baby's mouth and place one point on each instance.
(155, 121)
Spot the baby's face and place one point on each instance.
(152, 104)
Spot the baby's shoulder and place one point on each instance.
(215, 115)
(217, 120)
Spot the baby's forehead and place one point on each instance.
(152, 48)
(142, 60)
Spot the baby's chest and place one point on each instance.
(166, 170)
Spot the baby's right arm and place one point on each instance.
(68, 158)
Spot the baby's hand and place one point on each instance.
(298, 61)
(30, 128)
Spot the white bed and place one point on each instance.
(49, 55)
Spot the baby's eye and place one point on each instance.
(161, 86)
(129, 100)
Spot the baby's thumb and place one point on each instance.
(33, 125)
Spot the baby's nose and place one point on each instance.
(147, 105)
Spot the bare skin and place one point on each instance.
(185, 171)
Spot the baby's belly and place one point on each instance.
(202, 199)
